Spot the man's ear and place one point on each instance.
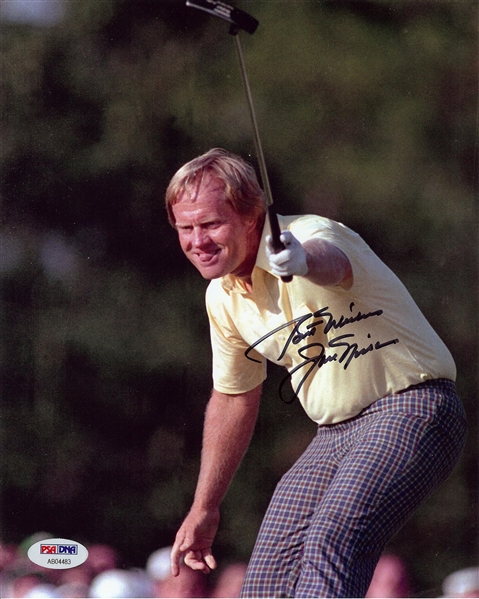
(256, 222)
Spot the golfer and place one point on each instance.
(360, 357)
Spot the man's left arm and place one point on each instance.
(317, 260)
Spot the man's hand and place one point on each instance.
(194, 540)
(291, 260)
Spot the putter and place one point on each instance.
(240, 20)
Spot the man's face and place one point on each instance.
(213, 236)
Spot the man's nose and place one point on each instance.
(200, 237)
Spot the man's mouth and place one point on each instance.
(206, 257)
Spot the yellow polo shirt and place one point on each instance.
(342, 349)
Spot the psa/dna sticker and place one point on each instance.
(58, 554)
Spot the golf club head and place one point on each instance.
(238, 18)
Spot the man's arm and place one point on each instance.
(318, 260)
(327, 264)
(228, 427)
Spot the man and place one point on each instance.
(362, 360)
(390, 579)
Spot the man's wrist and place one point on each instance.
(201, 506)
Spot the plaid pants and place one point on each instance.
(352, 489)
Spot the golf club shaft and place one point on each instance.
(257, 140)
(273, 217)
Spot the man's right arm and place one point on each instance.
(229, 425)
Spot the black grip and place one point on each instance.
(276, 242)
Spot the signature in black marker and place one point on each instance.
(350, 350)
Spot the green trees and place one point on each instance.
(367, 112)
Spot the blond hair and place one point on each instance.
(241, 185)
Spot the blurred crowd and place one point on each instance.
(101, 575)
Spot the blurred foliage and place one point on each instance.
(368, 114)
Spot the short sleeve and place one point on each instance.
(233, 372)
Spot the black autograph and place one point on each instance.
(349, 351)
